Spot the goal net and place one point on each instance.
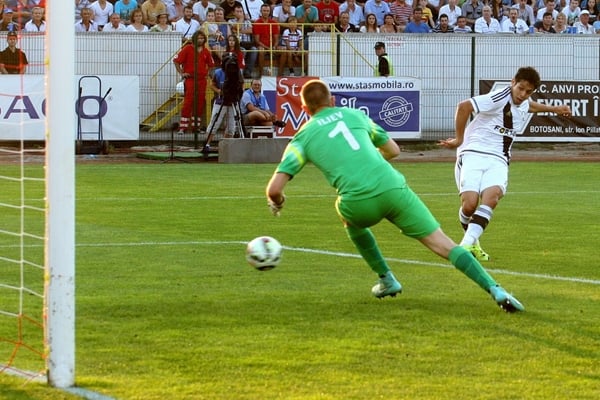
(37, 209)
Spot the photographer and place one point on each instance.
(227, 83)
(255, 107)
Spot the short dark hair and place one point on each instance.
(530, 75)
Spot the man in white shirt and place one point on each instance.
(200, 8)
(514, 24)
(525, 12)
(452, 11)
(114, 24)
(252, 8)
(36, 23)
(485, 23)
(583, 25)
(550, 7)
(187, 26)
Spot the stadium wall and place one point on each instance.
(450, 66)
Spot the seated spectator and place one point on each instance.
(461, 25)
(306, 13)
(402, 12)
(283, 11)
(266, 37)
(329, 11)
(443, 26)
(525, 12)
(379, 8)
(291, 46)
(472, 10)
(514, 24)
(357, 16)
(254, 106)
(124, 9)
(344, 24)
(545, 25)
(114, 24)
(560, 24)
(150, 10)
(200, 9)
(452, 11)
(228, 6)
(550, 7)
(22, 10)
(187, 25)
(417, 25)
(498, 11)
(102, 9)
(593, 8)
(211, 29)
(427, 15)
(241, 27)
(7, 23)
(486, 24)
(434, 7)
(176, 9)
(389, 25)
(162, 24)
(571, 12)
(252, 9)
(86, 24)
(370, 24)
(136, 24)
(219, 40)
(12, 60)
(37, 23)
(80, 5)
(583, 25)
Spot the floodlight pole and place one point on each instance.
(59, 259)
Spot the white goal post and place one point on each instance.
(60, 194)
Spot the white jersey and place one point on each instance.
(497, 121)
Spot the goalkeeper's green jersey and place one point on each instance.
(342, 143)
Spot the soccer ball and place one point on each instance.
(264, 253)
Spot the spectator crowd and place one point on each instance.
(273, 33)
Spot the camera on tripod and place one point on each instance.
(234, 82)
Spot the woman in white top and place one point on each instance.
(370, 24)
(136, 24)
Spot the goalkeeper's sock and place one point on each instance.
(366, 245)
(464, 261)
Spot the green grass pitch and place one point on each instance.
(167, 307)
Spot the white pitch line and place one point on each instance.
(336, 254)
(347, 255)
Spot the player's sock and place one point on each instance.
(464, 261)
(479, 221)
(464, 220)
(366, 245)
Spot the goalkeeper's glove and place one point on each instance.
(276, 208)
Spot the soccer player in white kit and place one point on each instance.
(483, 149)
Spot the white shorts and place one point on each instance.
(475, 173)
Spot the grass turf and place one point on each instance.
(168, 308)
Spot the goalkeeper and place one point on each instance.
(347, 146)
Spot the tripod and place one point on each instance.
(239, 129)
(174, 127)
